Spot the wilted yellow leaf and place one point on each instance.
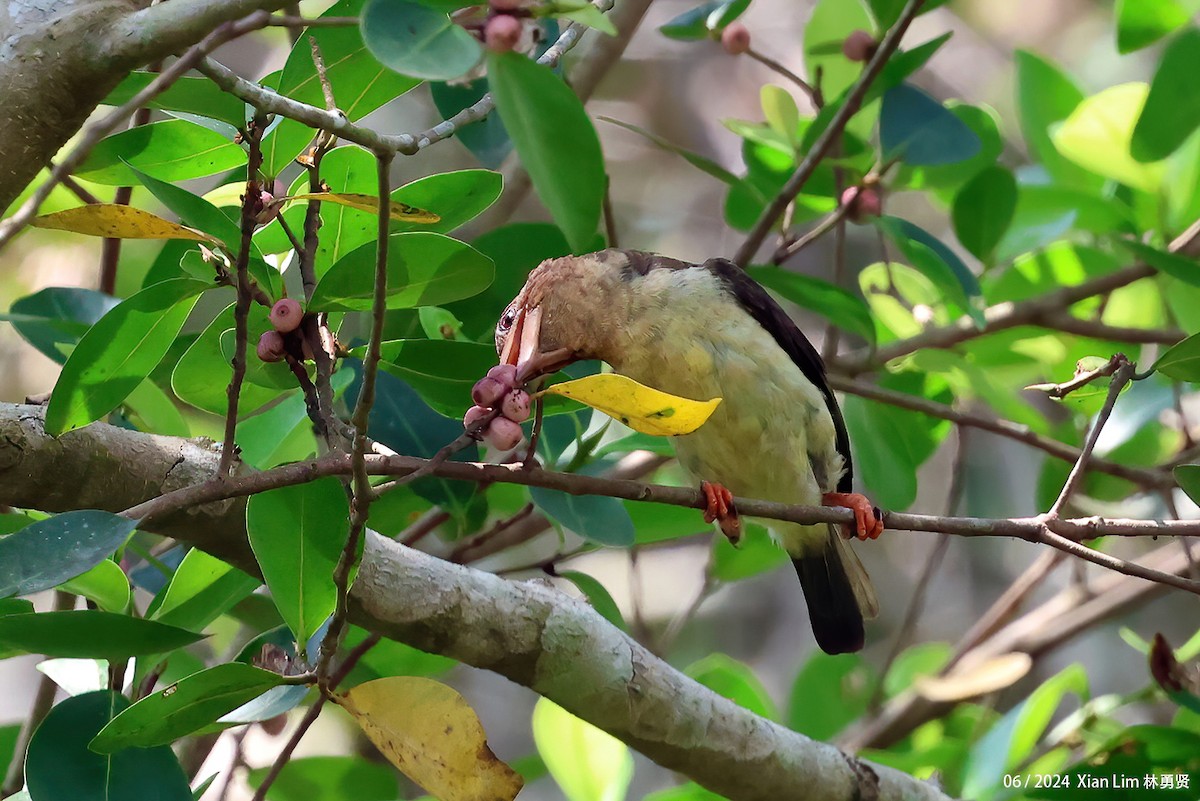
(430, 733)
(975, 680)
(636, 405)
(399, 211)
(117, 221)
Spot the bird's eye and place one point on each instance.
(507, 319)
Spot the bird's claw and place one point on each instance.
(868, 519)
(720, 508)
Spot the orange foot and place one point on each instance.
(720, 508)
(868, 520)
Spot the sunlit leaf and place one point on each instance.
(117, 221)
(1143, 22)
(171, 150)
(105, 584)
(1098, 134)
(1181, 361)
(734, 680)
(587, 763)
(430, 733)
(640, 407)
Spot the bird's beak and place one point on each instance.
(523, 348)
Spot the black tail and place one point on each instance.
(837, 621)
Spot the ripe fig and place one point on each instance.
(516, 406)
(503, 434)
(487, 392)
(502, 32)
(270, 346)
(285, 315)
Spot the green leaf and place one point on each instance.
(456, 197)
(391, 658)
(734, 680)
(202, 373)
(1182, 361)
(598, 596)
(923, 659)
(418, 41)
(829, 692)
(46, 553)
(441, 371)
(106, 584)
(330, 778)
(596, 518)
(1181, 267)
(587, 763)
(192, 210)
(486, 138)
(15, 606)
(60, 765)
(920, 131)
(184, 707)
(188, 93)
(90, 634)
(172, 150)
(1098, 133)
(1172, 110)
(297, 534)
(983, 210)
(1188, 476)
(831, 22)
(1143, 22)
(53, 319)
(202, 589)
(360, 83)
(1045, 96)
(118, 352)
(283, 433)
(587, 14)
(701, 21)
(842, 308)
(936, 261)
(555, 140)
(755, 554)
(424, 269)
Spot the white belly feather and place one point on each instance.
(772, 437)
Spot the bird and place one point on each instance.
(709, 330)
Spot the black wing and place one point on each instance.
(763, 308)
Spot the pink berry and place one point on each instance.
(506, 374)
(516, 406)
(502, 33)
(735, 38)
(859, 46)
(285, 315)
(503, 434)
(487, 392)
(862, 203)
(474, 415)
(270, 346)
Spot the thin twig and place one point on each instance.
(310, 717)
(813, 96)
(96, 131)
(423, 526)
(297, 21)
(498, 527)
(251, 204)
(825, 226)
(828, 137)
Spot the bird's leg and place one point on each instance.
(868, 521)
(720, 508)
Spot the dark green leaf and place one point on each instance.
(61, 767)
(1172, 110)
(202, 589)
(418, 41)
(1045, 96)
(734, 680)
(47, 553)
(598, 596)
(844, 309)
(487, 138)
(564, 158)
(189, 93)
(755, 554)
(901, 65)
(297, 535)
(118, 352)
(983, 210)
(920, 131)
(90, 634)
(828, 693)
(701, 21)
(360, 83)
(457, 197)
(424, 269)
(184, 707)
(172, 150)
(1181, 267)
(53, 319)
(1144, 22)
(15, 606)
(886, 12)
(441, 371)
(330, 778)
(596, 518)
(1188, 476)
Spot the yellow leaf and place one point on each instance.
(428, 731)
(636, 405)
(118, 222)
(399, 211)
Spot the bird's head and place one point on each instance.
(570, 308)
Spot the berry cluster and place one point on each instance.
(497, 395)
(285, 315)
